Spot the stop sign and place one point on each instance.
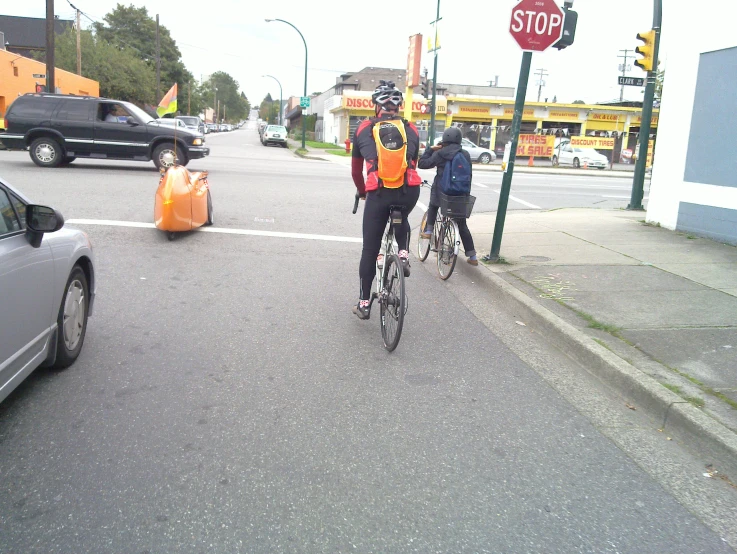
(536, 24)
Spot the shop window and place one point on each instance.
(15, 71)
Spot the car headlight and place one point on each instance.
(197, 142)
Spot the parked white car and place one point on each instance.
(579, 157)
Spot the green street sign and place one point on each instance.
(304, 101)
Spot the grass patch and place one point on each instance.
(302, 151)
(593, 323)
(691, 237)
(672, 388)
(696, 401)
(704, 388)
(337, 152)
(317, 144)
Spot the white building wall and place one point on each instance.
(690, 32)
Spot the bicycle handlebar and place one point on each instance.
(355, 204)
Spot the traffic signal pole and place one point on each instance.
(431, 133)
(638, 183)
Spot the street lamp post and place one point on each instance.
(304, 128)
(281, 98)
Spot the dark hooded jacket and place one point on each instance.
(438, 158)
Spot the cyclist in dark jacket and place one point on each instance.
(437, 156)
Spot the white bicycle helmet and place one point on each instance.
(386, 94)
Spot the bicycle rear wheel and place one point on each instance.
(423, 245)
(446, 250)
(392, 302)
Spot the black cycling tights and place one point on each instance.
(375, 217)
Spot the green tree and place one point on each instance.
(579, 102)
(268, 110)
(121, 73)
(133, 28)
(234, 105)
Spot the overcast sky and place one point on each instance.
(232, 36)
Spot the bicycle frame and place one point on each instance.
(388, 247)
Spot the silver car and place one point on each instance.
(47, 279)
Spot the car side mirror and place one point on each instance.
(40, 220)
(131, 121)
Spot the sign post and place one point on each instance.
(536, 25)
(631, 81)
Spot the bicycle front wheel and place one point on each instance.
(446, 250)
(392, 301)
(423, 245)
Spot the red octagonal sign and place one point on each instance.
(536, 24)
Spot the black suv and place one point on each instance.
(57, 128)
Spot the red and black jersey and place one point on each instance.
(364, 149)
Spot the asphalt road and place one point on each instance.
(226, 399)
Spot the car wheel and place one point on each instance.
(46, 152)
(165, 156)
(283, 144)
(72, 320)
(576, 163)
(210, 215)
(485, 158)
(555, 161)
(66, 160)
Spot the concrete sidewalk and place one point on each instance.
(652, 312)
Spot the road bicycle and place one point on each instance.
(445, 239)
(390, 291)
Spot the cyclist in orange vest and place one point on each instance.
(389, 146)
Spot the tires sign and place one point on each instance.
(536, 24)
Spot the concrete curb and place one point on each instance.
(307, 156)
(682, 420)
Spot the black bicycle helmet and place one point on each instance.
(386, 94)
(452, 135)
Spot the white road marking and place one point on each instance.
(422, 206)
(520, 201)
(251, 232)
(483, 186)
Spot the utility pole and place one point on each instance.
(189, 98)
(50, 77)
(79, 45)
(431, 132)
(540, 84)
(158, 62)
(624, 72)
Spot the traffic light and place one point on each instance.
(647, 50)
(425, 88)
(40, 88)
(569, 27)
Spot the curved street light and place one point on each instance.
(281, 98)
(305, 91)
